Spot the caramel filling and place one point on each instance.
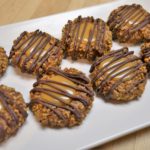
(112, 72)
(35, 45)
(65, 89)
(85, 31)
(137, 16)
(1, 105)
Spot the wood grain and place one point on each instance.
(18, 10)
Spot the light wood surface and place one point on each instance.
(18, 10)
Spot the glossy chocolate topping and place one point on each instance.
(60, 90)
(120, 65)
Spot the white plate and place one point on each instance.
(105, 121)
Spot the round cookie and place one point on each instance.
(145, 53)
(86, 38)
(35, 52)
(61, 98)
(12, 112)
(119, 76)
(3, 61)
(130, 24)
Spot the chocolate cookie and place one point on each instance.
(35, 52)
(12, 112)
(119, 76)
(130, 24)
(61, 98)
(86, 38)
(3, 61)
(145, 53)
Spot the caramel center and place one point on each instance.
(1, 105)
(38, 41)
(137, 16)
(65, 89)
(116, 63)
(85, 31)
(35, 46)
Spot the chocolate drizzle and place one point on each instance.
(132, 15)
(146, 52)
(34, 46)
(76, 33)
(9, 105)
(128, 68)
(58, 87)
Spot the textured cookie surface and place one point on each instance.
(119, 76)
(130, 24)
(145, 53)
(12, 112)
(86, 38)
(61, 98)
(35, 52)
(3, 61)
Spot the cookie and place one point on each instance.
(35, 52)
(86, 38)
(3, 61)
(130, 24)
(145, 53)
(61, 98)
(12, 112)
(119, 76)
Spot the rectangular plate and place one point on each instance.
(105, 121)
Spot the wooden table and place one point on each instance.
(18, 10)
